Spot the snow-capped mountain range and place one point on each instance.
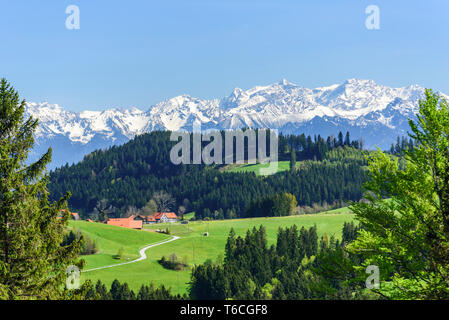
(376, 113)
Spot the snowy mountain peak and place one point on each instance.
(236, 94)
(286, 83)
(360, 106)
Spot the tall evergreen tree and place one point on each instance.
(32, 260)
(407, 237)
(293, 159)
(347, 139)
(340, 138)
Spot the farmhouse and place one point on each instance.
(158, 217)
(145, 219)
(165, 217)
(129, 222)
(73, 215)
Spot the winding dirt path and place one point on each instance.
(143, 256)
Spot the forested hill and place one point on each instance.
(124, 178)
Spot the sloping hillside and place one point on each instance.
(127, 177)
(110, 239)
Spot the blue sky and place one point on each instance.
(137, 53)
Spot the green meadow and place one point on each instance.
(282, 166)
(110, 239)
(193, 246)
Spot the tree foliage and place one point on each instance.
(130, 175)
(299, 266)
(407, 236)
(32, 260)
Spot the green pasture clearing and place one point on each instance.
(193, 245)
(282, 166)
(189, 215)
(110, 239)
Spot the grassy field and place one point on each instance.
(282, 166)
(110, 239)
(189, 215)
(192, 245)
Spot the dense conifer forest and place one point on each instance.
(298, 266)
(124, 178)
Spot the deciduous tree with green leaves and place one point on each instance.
(407, 236)
(32, 260)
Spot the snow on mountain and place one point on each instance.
(373, 112)
(82, 127)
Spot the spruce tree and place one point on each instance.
(33, 260)
(340, 139)
(347, 139)
(293, 159)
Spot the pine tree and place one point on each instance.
(32, 260)
(340, 139)
(101, 290)
(293, 159)
(115, 289)
(230, 245)
(347, 139)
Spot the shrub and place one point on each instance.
(88, 245)
(119, 254)
(173, 262)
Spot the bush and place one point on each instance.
(88, 245)
(119, 254)
(173, 262)
(317, 208)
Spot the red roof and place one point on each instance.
(169, 215)
(73, 214)
(125, 222)
(147, 218)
